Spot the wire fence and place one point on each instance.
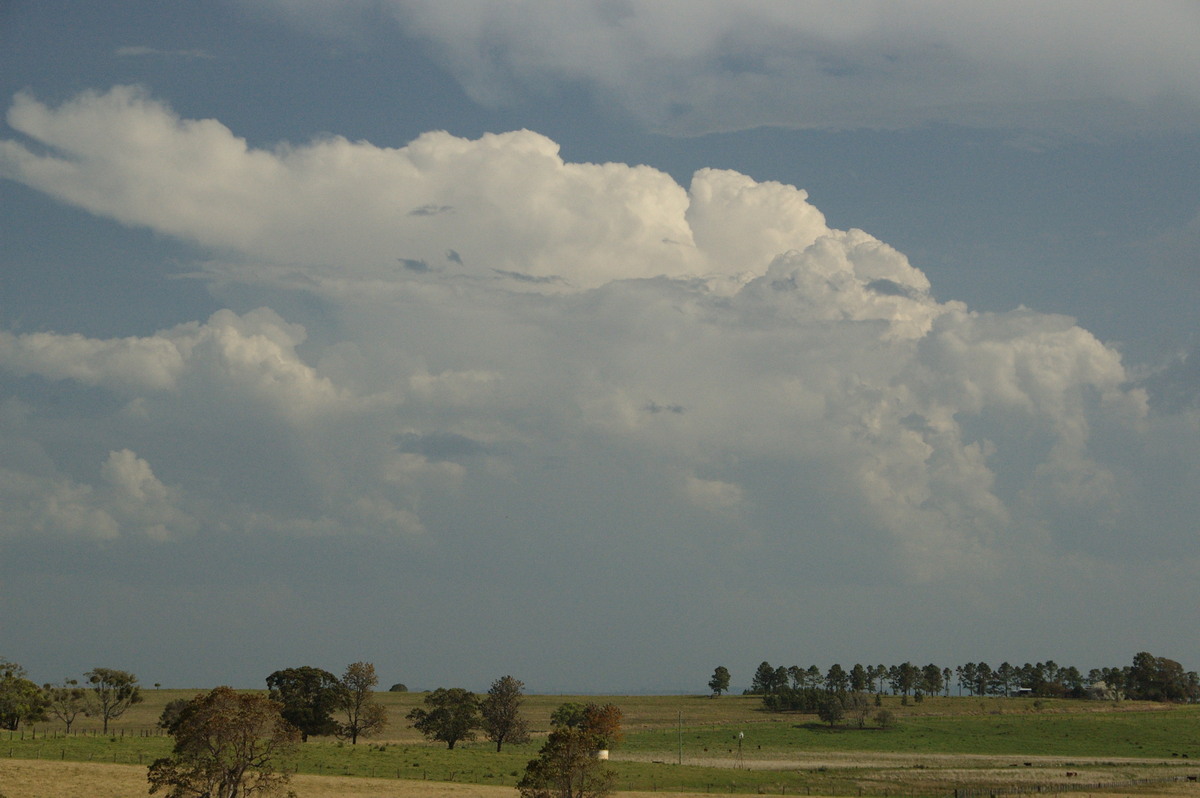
(1067, 786)
(55, 734)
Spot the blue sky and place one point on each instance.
(598, 343)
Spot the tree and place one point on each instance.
(451, 715)
(65, 701)
(501, 712)
(1152, 678)
(567, 767)
(983, 678)
(836, 680)
(603, 723)
(21, 700)
(904, 678)
(569, 714)
(398, 687)
(859, 706)
(171, 714)
(356, 699)
(719, 683)
(881, 673)
(309, 697)
(860, 682)
(226, 746)
(764, 679)
(1003, 678)
(1072, 681)
(831, 710)
(966, 677)
(111, 693)
(930, 679)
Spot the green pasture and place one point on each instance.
(1159, 734)
(662, 730)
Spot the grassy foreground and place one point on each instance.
(690, 744)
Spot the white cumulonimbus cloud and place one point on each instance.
(505, 319)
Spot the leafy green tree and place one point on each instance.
(603, 722)
(501, 712)
(1152, 678)
(309, 697)
(831, 710)
(1003, 679)
(931, 679)
(398, 687)
(227, 745)
(903, 678)
(21, 700)
(356, 700)
(881, 675)
(171, 714)
(450, 715)
(567, 767)
(983, 678)
(110, 693)
(1072, 681)
(860, 682)
(836, 679)
(719, 683)
(764, 679)
(569, 714)
(966, 677)
(65, 701)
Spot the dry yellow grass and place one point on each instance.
(33, 779)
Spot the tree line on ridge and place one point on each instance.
(1148, 678)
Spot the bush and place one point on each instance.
(885, 718)
(398, 688)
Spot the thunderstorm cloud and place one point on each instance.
(657, 371)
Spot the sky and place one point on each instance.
(598, 343)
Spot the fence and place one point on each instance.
(1069, 786)
(54, 734)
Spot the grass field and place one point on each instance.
(690, 744)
